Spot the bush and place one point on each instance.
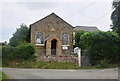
(22, 52)
(77, 37)
(7, 51)
(103, 64)
(100, 45)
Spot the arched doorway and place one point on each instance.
(53, 46)
(53, 42)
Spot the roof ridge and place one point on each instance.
(44, 18)
(50, 15)
(85, 26)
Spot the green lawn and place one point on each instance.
(40, 65)
(0, 76)
(51, 65)
(3, 76)
(0, 62)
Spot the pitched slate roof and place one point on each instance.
(85, 28)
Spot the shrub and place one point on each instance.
(100, 45)
(7, 51)
(22, 52)
(103, 64)
(77, 37)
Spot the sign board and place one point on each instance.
(64, 47)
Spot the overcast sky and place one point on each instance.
(76, 13)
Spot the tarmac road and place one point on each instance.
(14, 73)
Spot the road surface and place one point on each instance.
(61, 74)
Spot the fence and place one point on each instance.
(84, 58)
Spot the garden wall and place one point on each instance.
(73, 59)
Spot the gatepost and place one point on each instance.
(79, 57)
(77, 51)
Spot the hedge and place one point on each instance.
(100, 46)
(22, 52)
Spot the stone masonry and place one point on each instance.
(73, 59)
(53, 27)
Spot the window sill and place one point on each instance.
(39, 44)
(65, 45)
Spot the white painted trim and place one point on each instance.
(39, 44)
(43, 38)
(67, 39)
(65, 45)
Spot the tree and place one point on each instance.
(100, 46)
(77, 37)
(22, 35)
(115, 17)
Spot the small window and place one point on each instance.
(64, 39)
(40, 38)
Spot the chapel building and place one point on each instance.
(52, 36)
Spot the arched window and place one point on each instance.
(64, 39)
(39, 38)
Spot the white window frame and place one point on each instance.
(36, 40)
(68, 39)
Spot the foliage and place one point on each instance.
(22, 52)
(7, 51)
(22, 35)
(100, 45)
(115, 17)
(77, 37)
(103, 64)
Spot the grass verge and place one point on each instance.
(3, 76)
(52, 65)
(40, 65)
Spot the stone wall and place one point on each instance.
(40, 50)
(73, 59)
